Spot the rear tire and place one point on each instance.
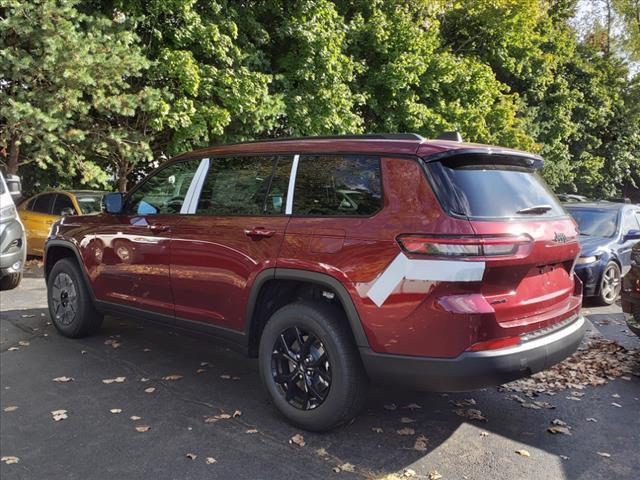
(70, 304)
(336, 388)
(610, 284)
(10, 281)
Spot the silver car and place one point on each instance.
(13, 242)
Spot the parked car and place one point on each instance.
(608, 231)
(39, 212)
(432, 264)
(13, 243)
(631, 292)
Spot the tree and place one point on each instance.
(65, 82)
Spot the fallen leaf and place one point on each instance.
(467, 402)
(27, 316)
(146, 350)
(562, 430)
(615, 395)
(215, 418)
(108, 380)
(591, 419)
(143, 379)
(9, 460)
(616, 404)
(377, 430)
(63, 379)
(251, 430)
(204, 364)
(13, 349)
(406, 431)
(470, 413)
(391, 407)
(200, 370)
(413, 406)
(225, 377)
(434, 475)
(484, 434)
(523, 453)
(172, 377)
(604, 454)
(191, 456)
(83, 352)
(116, 410)
(24, 343)
(119, 379)
(347, 467)
(322, 452)
(237, 413)
(149, 390)
(557, 421)
(406, 420)
(59, 415)
(210, 460)
(421, 444)
(298, 440)
(10, 408)
(409, 473)
(564, 457)
(142, 428)
(134, 418)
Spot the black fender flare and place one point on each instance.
(74, 249)
(310, 277)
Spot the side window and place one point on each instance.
(44, 203)
(337, 185)
(629, 222)
(62, 202)
(31, 204)
(250, 185)
(164, 192)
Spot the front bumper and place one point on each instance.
(473, 370)
(13, 244)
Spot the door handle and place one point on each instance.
(158, 228)
(259, 232)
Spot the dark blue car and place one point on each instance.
(608, 231)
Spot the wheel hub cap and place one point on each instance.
(65, 300)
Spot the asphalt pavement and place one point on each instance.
(174, 382)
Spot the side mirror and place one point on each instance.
(113, 202)
(632, 235)
(67, 211)
(14, 185)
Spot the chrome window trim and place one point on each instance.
(288, 210)
(195, 188)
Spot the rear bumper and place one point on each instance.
(473, 370)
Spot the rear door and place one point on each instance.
(504, 196)
(236, 232)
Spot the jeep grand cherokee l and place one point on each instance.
(433, 264)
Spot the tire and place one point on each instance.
(347, 390)
(70, 306)
(10, 281)
(610, 284)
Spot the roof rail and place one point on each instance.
(363, 136)
(453, 136)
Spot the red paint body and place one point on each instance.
(203, 267)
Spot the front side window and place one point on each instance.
(164, 192)
(89, 202)
(44, 203)
(629, 222)
(251, 185)
(337, 185)
(63, 202)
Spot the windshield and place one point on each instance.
(483, 190)
(89, 202)
(595, 222)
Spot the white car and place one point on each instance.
(13, 242)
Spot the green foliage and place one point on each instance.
(99, 88)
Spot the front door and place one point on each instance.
(37, 218)
(236, 232)
(132, 250)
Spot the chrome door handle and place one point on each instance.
(259, 233)
(156, 228)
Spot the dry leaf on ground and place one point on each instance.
(347, 467)
(191, 456)
(251, 430)
(9, 460)
(142, 428)
(10, 408)
(377, 430)
(421, 444)
(470, 413)
(210, 460)
(200, 370)
(406, 420)
(391, 407)
(523, 453)
(484, 434)
(63, 379)
(172, 377)
(321, 452)
(604, 454)
(413, 406)
(116, 410)
(409, 473)
(58, 415)
(24, 343)
(298, 440)
(406, 431)
(149, 390)
(563, 430)
(237, 413)
(13, 349)
(134, 418)
(434, 475)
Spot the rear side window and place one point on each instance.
(478, 188)
(337, 185)
(249, 185)
(44, 203)
(62, 202)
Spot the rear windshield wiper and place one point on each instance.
(535, 209)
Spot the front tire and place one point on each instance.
(610, 284)
(310, 366)
(70, 304)
(10, 281)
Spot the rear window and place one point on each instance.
(473, 187)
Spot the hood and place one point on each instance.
(590, 245)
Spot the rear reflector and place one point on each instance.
(494, 344)
(475, 246)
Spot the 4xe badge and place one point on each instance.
(559, 237)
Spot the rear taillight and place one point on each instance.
(474, 246)
(494, 344)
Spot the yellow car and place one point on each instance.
(40, 211)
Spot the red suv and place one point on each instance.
(434, 264)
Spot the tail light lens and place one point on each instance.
(494, 344)
(474, 246)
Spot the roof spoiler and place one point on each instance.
(453, 136)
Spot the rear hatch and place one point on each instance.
(503, 197)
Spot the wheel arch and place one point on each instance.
(267, 282)
(55, 250)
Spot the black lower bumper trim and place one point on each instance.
(473, 370)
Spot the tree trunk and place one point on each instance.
(13, 157)
(122, 182)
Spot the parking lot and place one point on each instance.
(132, 375)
